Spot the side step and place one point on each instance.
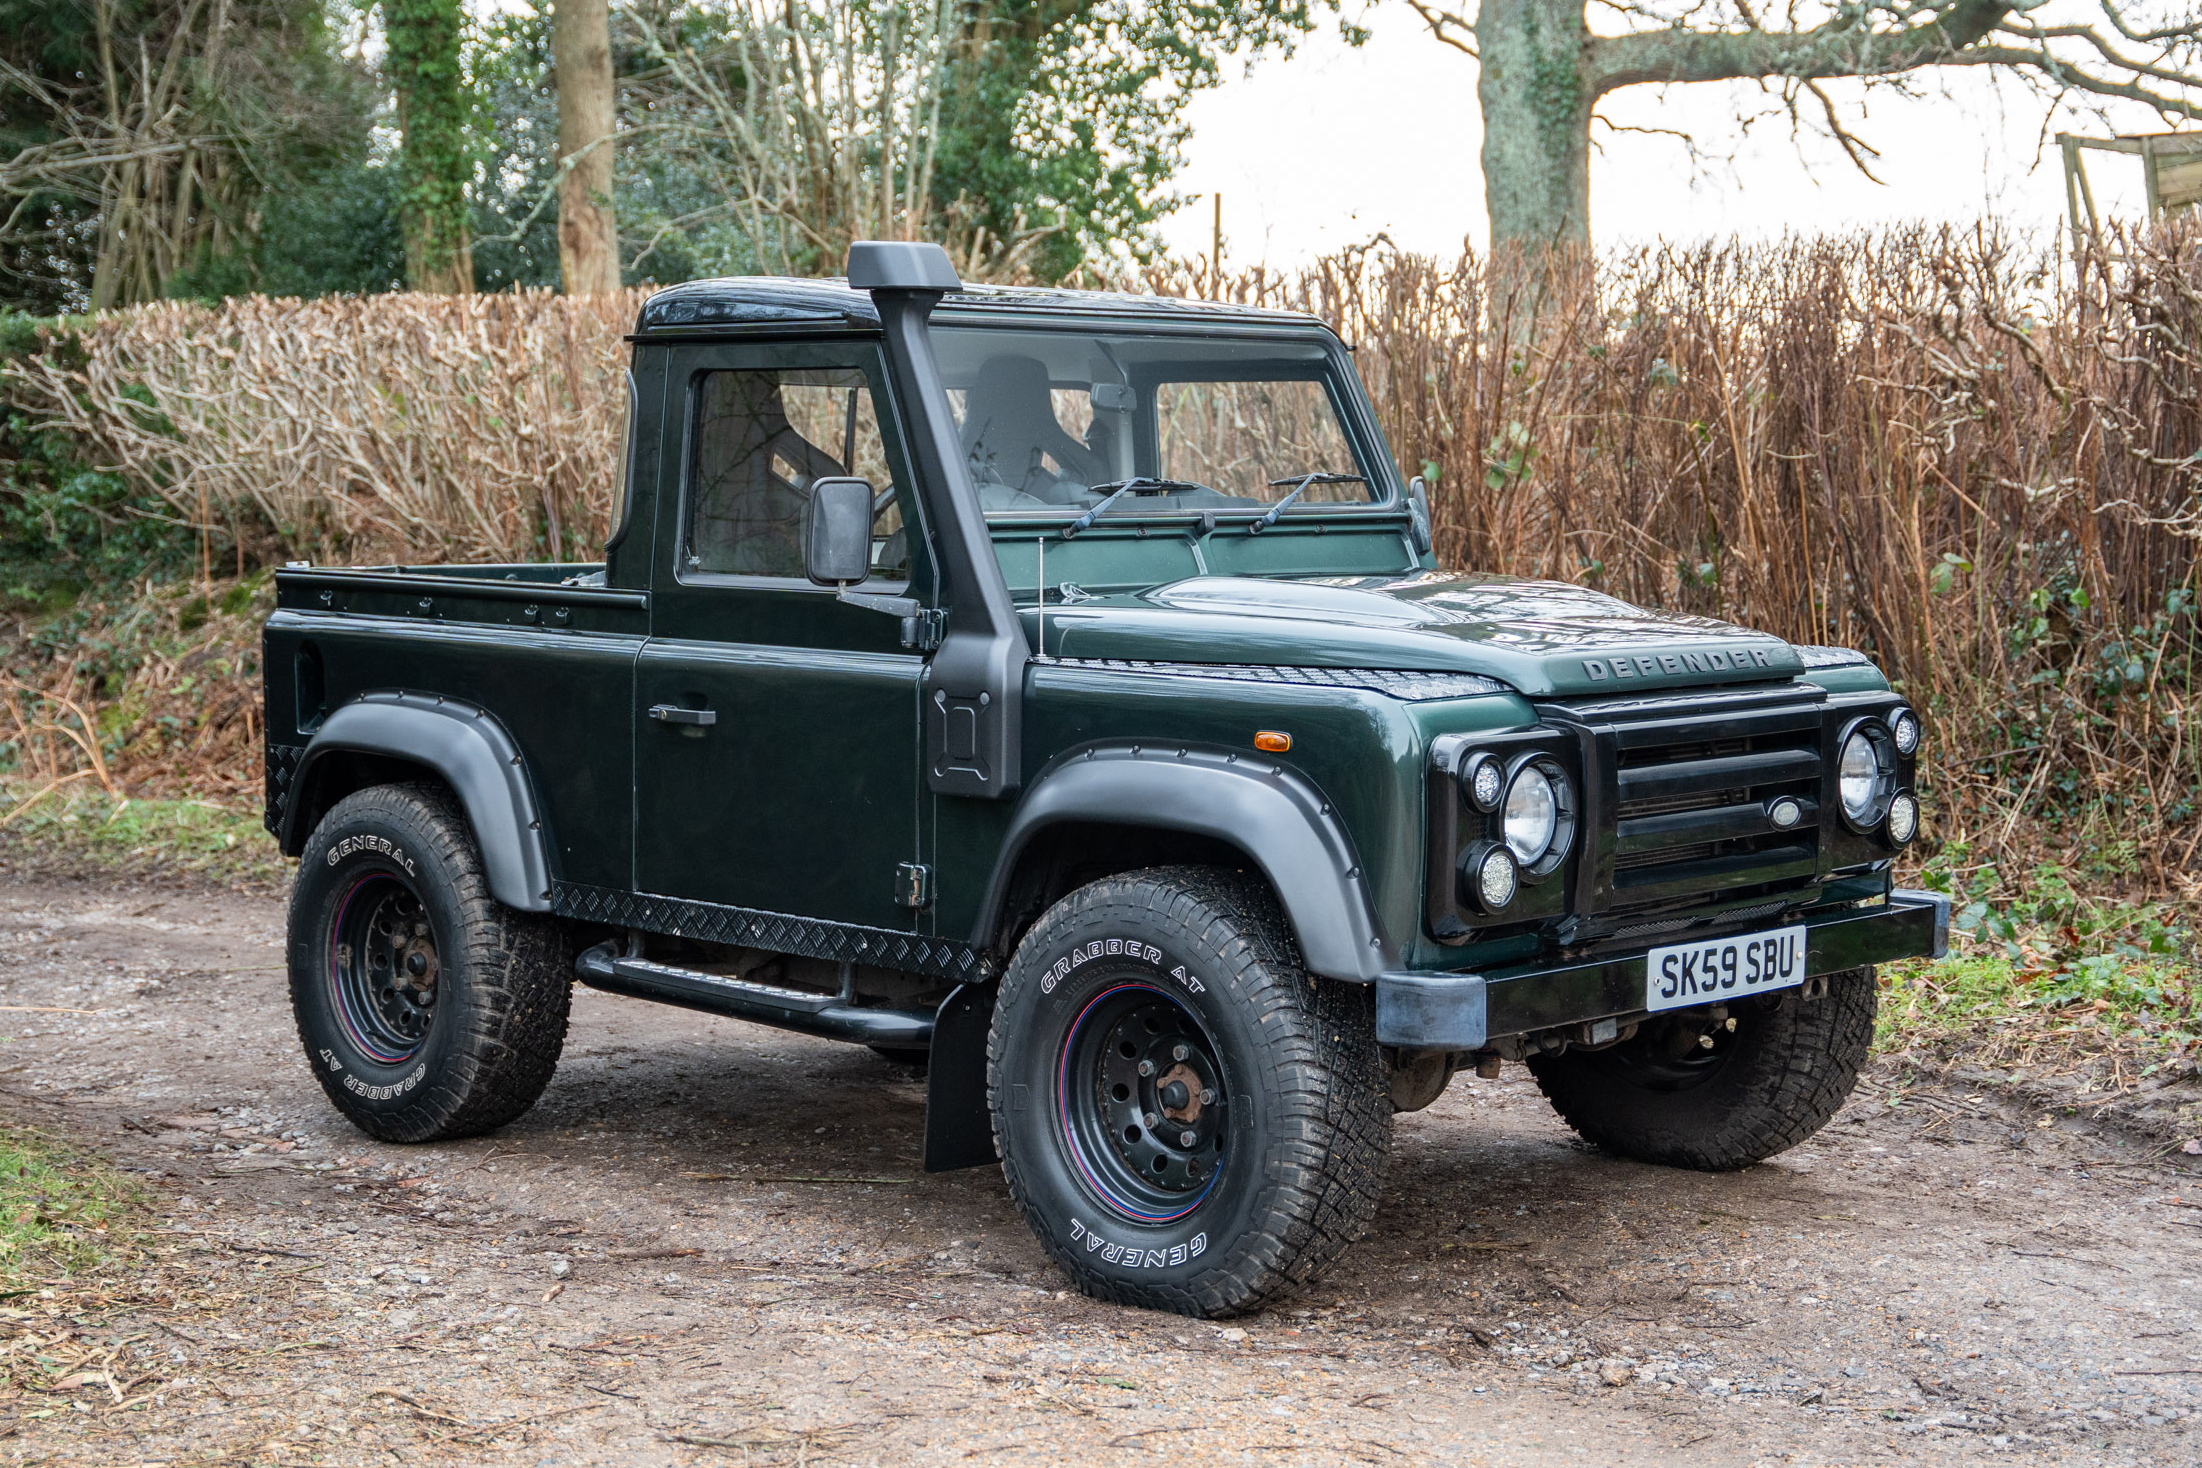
(830, 1015)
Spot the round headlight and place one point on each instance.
(1486, 782)
(1904, 729)
(1903, 819)
(1858, 772)
(1532, 815)
(1496, 879)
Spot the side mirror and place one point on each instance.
(837, 535)
(1418, 515)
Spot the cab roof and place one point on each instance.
(765, 300)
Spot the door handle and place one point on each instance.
(667, 713)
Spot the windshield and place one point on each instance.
(1056, 422)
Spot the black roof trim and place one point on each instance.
(761, 300)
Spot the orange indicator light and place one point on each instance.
(1274, 740)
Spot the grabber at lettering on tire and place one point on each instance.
(1188, 1119)
(428, 1009)
(1697, 1089)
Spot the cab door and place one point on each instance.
(776, 727)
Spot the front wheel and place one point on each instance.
(1187, 1118)
(428, 1009)
(1715, 1094)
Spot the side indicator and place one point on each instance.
(1273, 740)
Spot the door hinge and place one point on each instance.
(923, 631)
(914, 885)
(922, 627)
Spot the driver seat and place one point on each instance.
(1010, 433)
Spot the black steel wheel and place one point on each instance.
(383, 967)
(428, 1009)
(1144, 1110)
(1715, 1094)
(1188, 1119)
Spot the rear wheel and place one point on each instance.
(1188, 1119)
(1717, 1092)
(428, 1009)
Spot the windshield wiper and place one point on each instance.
(1299, 485)
(1117, 489)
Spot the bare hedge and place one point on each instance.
(1974, 458)
(396, 427)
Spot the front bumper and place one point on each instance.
(1463, 1011)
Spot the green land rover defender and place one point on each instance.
(1058, 690)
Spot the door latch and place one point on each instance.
(914, 885)
(672, 713)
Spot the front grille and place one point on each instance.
(1696, 815)
(1694, 784)
(1673, 828)
(1665, 856)
(1661, 805)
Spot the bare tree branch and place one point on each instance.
(1846, 45)
(1448, 27)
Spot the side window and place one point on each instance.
(763, 437)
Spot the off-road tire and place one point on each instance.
(502, 985)
(1780, 1076)
(1294, 1154)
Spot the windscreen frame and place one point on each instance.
(1330, 366)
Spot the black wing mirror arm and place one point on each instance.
(921, 625)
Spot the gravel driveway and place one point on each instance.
(711, 1243)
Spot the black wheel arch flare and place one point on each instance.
(469, 750)
(1261, 807)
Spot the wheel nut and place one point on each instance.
(1152, 1121)
(1186, 1139)
(1705, 1042)
(1179, 1052)
(1146, 1067)
(1207, 1096)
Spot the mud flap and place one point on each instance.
(959, 1128)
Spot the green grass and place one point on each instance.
(2052, 956)
(60, 1210)
(102, 832)
(2146, 1004)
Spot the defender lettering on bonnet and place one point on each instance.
(1709, 660)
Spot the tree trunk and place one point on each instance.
(435, 155)
(588, 236)
(1536, 101)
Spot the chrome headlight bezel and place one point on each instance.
(1874, 737)
(1559, 840)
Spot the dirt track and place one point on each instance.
(645, 1269)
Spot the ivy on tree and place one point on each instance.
(427, 67)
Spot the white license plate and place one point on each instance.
(1714, 969)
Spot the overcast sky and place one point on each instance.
(1335, 144)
